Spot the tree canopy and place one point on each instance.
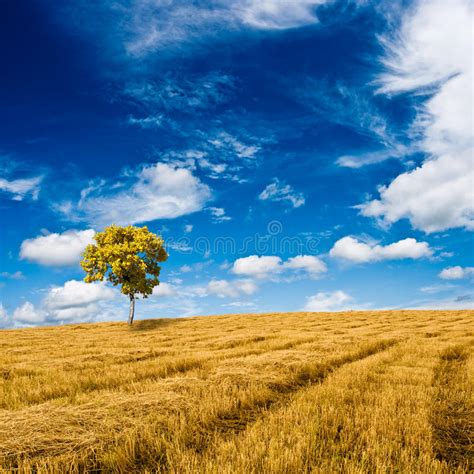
(127, 257)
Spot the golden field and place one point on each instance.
(355, 392)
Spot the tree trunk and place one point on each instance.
(131, 314)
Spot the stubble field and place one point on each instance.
(352, 392)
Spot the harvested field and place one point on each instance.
(388, 391)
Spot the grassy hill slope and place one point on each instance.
(360, 392)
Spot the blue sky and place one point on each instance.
(295, 155)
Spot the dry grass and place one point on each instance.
(301, 392)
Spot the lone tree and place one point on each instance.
(126, 256)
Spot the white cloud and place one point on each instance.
(352, 249)
(75, 301)
(279, 14)
(152, 25)
(277, 191)
(261, 267)
(57, 249)
(28, 314)
(434, 197)
(456, 273)
(22, 188)
(364, 159)
(159, 191)
(227, 142)
(188, 228)
(334, 301)
(309, 263)
(74, 294)
(151, 121)
(164, 290)
(433, 43)
(437, 288)
(218, 214)
(231, 289)
(433, 52)
(257, 266)
(189, 94)
(219, 154)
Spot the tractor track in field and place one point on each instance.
(233, 422)
(452, 409)
(184, 365)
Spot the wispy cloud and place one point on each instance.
(432, 52)
(278, 15)
(149, 26)
(349, 106)
(370, 158)
(180, 93)
(19, 189)
(281, 192)
(218, 214)
(150, 121)
(218, 154)
(158, 191)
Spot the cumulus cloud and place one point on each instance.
(261, 267)
(164, 290)
(456, 273)
(349, 248)
(332, 301)
(76, 293)
(257, 266)
(432, 52)
(29, 315)
(75, 301)
(57, 249)
(434, 197)
(19, 189)
(158, 191)
(308, 263)
(280, 192)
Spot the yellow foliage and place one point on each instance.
(126, 256)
